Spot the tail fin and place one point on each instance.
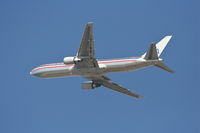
(162, 44)
(157, 48)
(155, 51)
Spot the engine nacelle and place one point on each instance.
(89, 85)
(71, 60)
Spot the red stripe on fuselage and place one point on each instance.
(101, 62)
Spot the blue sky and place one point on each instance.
(39, 32)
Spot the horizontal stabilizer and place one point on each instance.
(151, 53)
(164, 67)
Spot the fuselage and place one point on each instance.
(105, 66)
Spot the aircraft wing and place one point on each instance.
(86, 51)
(106, 82)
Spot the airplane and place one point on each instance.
(86, 65)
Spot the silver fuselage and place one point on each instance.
(105, 66)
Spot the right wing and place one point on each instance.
(106, 82)
(86, 51)
(87, 43)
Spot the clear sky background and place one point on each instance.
(39, 32)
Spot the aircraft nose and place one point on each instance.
(33, 73)
(36, 72)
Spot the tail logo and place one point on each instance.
(157, 51)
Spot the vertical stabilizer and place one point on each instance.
(162, 44)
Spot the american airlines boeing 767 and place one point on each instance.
(86, 65)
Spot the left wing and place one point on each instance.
(86, 51)
(106, 82)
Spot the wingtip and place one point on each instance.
(172, 71)
(140, 96)
(90, 23)
(170, 36)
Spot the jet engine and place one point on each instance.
(89, 85)
(71, 60)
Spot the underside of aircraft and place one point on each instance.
(86, 65)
